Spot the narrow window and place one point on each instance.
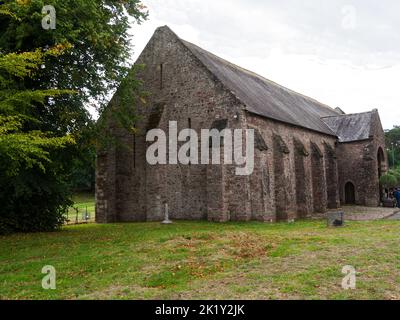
(190, 127)
(161, 75)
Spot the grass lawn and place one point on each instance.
(83, 200)
(198, 260)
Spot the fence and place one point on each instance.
(80, 215)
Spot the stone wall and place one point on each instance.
(296, 170)
(289, 181)
(183, 91)
(358, 165)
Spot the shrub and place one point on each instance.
(33, 201)
(389, 181)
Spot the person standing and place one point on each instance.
(397, 196)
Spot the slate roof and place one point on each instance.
(351, 127)
(271, 100)
(264, 97)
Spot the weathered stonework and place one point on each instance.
(361, 163)
(297, 171)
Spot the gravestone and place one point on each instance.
(335, 219)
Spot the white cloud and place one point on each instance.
(342, 53)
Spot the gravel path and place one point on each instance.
(359, 213)
(356, 213)
(396, 216)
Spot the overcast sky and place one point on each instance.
(343, 53)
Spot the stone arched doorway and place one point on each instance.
(350, 193)
(381, 162)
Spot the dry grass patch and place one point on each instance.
(206, 255)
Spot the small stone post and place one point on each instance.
(166, 219)
(335, 219)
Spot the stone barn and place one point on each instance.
(309, 158)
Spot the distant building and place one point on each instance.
(309, 158)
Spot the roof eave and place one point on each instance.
(354, 141)
(292, 124)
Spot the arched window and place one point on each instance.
(350, 193)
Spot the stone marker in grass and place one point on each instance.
(335, 219)
(166, 219)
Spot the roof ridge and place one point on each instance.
(349, 114)
(260, 76)
(259, 95)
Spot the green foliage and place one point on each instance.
(82, 174)
(393, 144)
(47, 136)
(33, 200)
(389, 181)
(98, 31)
(396, 173)
(32, 192)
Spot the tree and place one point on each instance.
(98, 30)
(389, 181)
(32, 194)
(393, 144)
(96, 34)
